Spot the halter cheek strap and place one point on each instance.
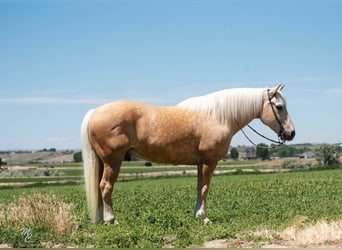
(274, 113)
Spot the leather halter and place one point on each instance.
(274, 113)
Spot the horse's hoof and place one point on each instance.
(111, 222)
(206, 221)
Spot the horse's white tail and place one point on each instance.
(92, 168)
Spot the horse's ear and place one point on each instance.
(273, 92)
(278, 88)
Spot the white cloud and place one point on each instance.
(312, 90)
(307, 79)
(194, 89)
(71, 142)
(331, 91)
(51, 100)
(334, 91)
(269, 82)
(73, 101)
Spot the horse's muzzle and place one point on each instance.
(287, 135)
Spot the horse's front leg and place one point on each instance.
(110, 174)
(205, 171)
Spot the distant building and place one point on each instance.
(307, 155)
(249, 153)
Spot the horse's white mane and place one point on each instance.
(229, 105)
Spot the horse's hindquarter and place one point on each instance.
(110, 128)
(160, 134)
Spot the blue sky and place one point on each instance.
(58, 59)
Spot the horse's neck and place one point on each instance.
(234, 108)
(236, 125)
(241, 107)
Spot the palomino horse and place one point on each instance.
(198, 132)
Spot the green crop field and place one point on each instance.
(73, 172)
(158, 212)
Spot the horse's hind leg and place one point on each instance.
(205, 171)
(110, 174)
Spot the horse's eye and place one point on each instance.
(279, 107)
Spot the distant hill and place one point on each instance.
(39, 157)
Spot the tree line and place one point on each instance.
(325, 154)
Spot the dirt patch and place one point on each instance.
(26, 184)
(229, 243)
(235, 243)
(5, 246)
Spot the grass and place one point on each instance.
(158, 212)
(43, 209)
(39, 215)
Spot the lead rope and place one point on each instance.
(258, 133)
(259, 146)
(279, 142)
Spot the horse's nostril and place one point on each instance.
(293, 133)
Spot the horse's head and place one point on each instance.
(274, 114)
